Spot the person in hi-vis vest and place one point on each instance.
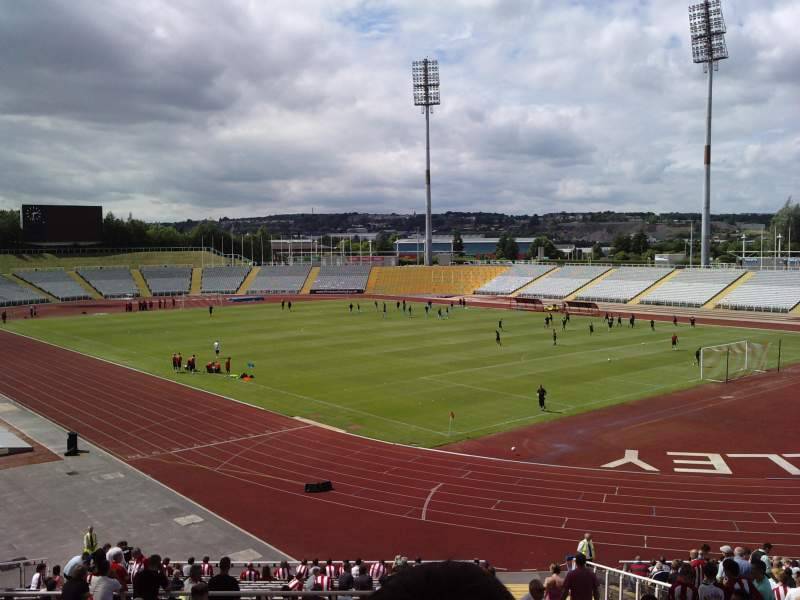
(586, 547)
(90, 541)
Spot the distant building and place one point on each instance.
(670, 259)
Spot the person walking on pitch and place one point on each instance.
(541, 393)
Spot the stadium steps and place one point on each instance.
(543, 275)
(248, 281)
(30, 286)
(88, 288)
(312, 277)
(197, 281)
(430, 281)
(715, 300)
(588, 285)
(138, 279)
(667, 277)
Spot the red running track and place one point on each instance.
(249, 466)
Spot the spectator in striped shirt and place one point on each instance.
(331, 570)
(322, 580)
(783, 587)
(683, 588)
(166, 567)
(296, 583)
(250, 573)
(698, 563)
(205, 567)
(137, 564)
(377, 570)
(302, 569)
(283, 572)
(710, 588)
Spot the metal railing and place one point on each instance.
(22, 567)
(622, 585)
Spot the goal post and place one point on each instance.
(733, 360)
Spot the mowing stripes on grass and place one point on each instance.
(399, 378)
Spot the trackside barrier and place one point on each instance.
(25, 568)
(621, 585)
(242, 593)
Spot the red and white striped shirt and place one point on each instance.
(324, 581)
(302, 570)
(332, 570)
(698, 564)
(134, 568)
(206, 569)
(282, 573)
(681, 590)
(780, 591)
(296, 584)
(250, 575)
(377, 570)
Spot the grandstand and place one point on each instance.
(766, 291)
(111, 282)
(12, 294)
(223, 280)
(623, 284)
(516, 277)
(563, 282)
(437, 280)
(55, 282)
(280, 279)
(168, 280)
(341, 278)
(692, 287)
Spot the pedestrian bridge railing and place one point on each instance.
(622, 585)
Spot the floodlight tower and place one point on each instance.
(707, 29)
(425, 77)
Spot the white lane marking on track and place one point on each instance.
(428, 500)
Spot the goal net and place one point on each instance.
(731, 361)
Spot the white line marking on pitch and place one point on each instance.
(428, 499)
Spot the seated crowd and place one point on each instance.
(123, 571)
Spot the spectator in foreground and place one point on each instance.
(57, 578)
(554, 583)
(683, 588)
(103, 587)
(195, 577)
(346, 578)
(739, 555)
(580, 583)
(535, 590)
(148, 582)
(710, 588)
(76, 587)
(223, 582)
(199, 591)
(442, 581)
(362, 581)
(784, 586)
(760, 581)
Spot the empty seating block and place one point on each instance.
(623, 284)
(223, 280)
(768, 291)
(516, 277)
(168, 280)
(341, 278)
(280, 279)
(111, 282)
(563, 282)
(692, 287)
(12, 293)
(55, 282)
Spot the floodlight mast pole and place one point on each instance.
(425, 79)
(707, 30)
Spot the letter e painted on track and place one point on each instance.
(714, 463)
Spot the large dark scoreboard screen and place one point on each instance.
(61, 224)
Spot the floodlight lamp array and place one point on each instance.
(425, 79)
(707, 30)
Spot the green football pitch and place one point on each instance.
(399, 378)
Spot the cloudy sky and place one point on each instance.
(206, 108)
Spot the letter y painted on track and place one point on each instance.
(631, 457)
